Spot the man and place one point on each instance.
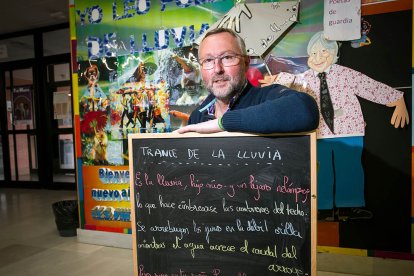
(340, 136)
(125, 102)
(234, 104)
(139, 104)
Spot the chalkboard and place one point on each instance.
(224, 204)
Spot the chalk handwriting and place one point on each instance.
(147, 151)
(288, 188)
(168, 228)
(287, 229)
(265, 154)
(152, 245)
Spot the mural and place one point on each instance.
(137, 72)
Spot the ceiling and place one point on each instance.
(31, 14)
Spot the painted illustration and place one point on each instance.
(342, 128)
(364, 40)
(155, 87)
(150, 92)
(93, 96)
(142, 76)
(95, 137)
(273, 18)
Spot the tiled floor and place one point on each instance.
(30, 245)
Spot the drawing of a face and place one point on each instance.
(320, 58)
(267, 42)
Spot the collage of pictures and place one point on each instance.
(148, 93)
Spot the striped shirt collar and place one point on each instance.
(211, 107)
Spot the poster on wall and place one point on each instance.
(108, 205)
(137, 70)
(22, 104)
(62, 108)
(342, 20)
(147, 93)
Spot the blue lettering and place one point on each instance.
(94, 47)
(127, 8)
(161, 39)
(95, 14)
(82, 16)
(179, 34)
(109, 47)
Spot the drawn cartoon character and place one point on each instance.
(364, 40)
(340, 134)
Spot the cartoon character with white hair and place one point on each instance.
(341, 128)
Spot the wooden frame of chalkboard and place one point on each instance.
(223, 204)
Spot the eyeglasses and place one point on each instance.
(226, 60)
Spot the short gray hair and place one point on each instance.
(328, 44)
(240, 41)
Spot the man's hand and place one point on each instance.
(202, 128)
(400, 116)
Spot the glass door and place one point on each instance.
(60, 91)
(36, 128)
(21, 124)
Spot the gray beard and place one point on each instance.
(234, 89)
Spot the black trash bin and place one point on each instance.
(66, 217)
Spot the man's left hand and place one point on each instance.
(202, 128)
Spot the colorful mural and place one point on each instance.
(136, 71)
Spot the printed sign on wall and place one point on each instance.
(342, 19)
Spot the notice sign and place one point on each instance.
(228, 204)
(342, 19)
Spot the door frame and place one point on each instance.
(51, 130)
(43, 115)
(5, 132)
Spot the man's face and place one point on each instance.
(320, 58)
(222, 81)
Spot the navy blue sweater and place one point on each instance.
(271, 109)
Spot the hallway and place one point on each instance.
(30, 245)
